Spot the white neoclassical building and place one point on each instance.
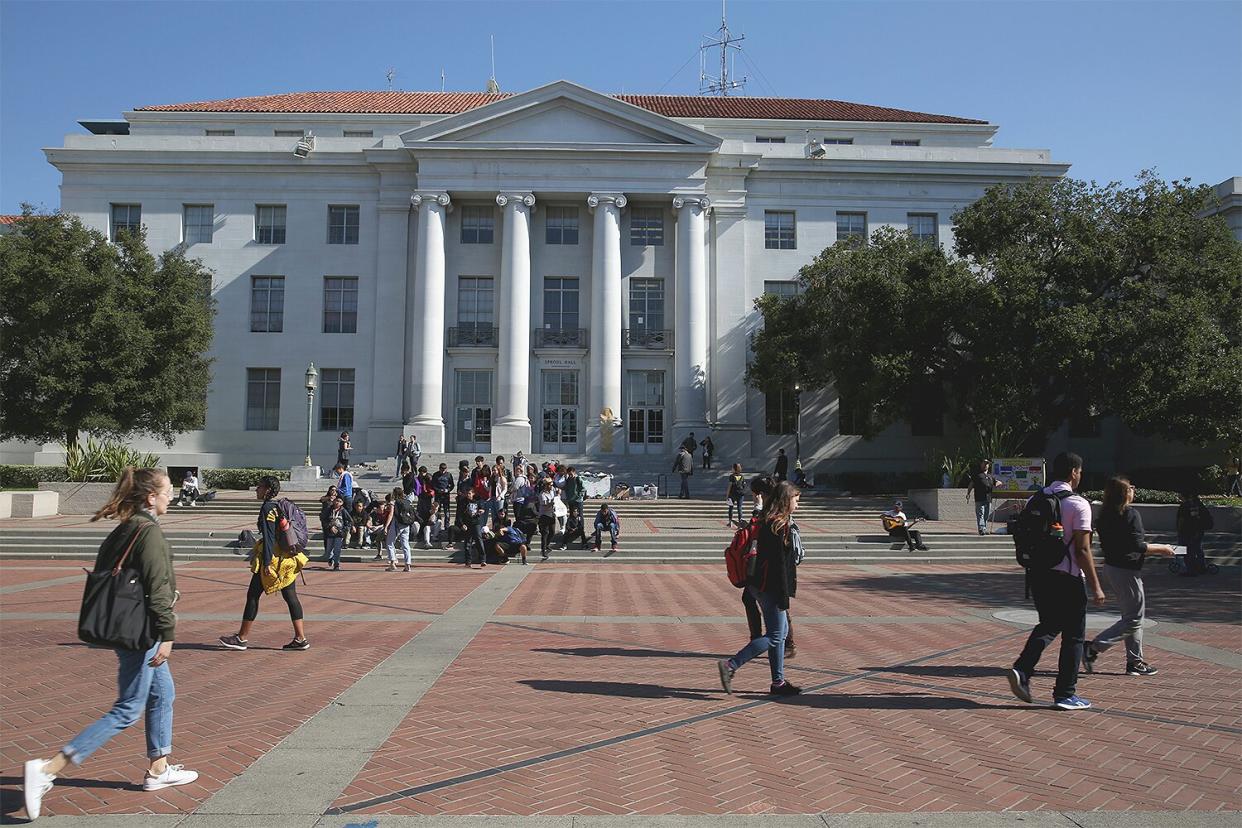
(559, 271)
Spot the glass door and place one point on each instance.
(645, 416)
(472, 420)
(560, 411)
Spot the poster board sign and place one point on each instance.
(1018, 476)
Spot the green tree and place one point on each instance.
(1066, 299)
(100, 338)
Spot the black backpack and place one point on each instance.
(1036, 547)
(407, 512)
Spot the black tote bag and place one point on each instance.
(114, 607)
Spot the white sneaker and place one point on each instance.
(35, 783)
(172, 775)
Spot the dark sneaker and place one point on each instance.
(785, 688)
(922, 547)
(1089, 655)
(1071, 703)
(726, 675)
(233, 642)
(791, 652)
(297, 644)
(1019, 684)
(1140, 668)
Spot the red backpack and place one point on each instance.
(740, 553)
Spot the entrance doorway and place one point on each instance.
(645, 417)
(472, 420)
(560, 411)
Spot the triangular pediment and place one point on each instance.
(560, 115)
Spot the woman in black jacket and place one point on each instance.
(773, 582)
(1121, 537)
(145, 684)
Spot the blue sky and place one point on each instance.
(1112, 87)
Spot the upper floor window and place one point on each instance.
(126, 218)
(198, 223)
(769, 139)
(560, 303)
(359, 133)
(779, 230)
(475, 297)
(782, 288)
(221, 133)
(336, 399)
(646, 305)
(340, 304)
(478, 225)
(290, 133)
(269, 224)
(646, 226)
(562, 225)
(905, 142)
(262, 399)
(852, 226)
(780, 412)
(267, 304)
(343, 224)
(841, 141)
(923, 226)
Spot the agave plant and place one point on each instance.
(103, 461)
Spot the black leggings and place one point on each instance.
(547, 529)
(289, 593)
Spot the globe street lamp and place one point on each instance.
(312, 382)
(797, 422)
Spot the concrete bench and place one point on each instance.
(32, 504)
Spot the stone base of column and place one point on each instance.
(430, 434)
(509, 438)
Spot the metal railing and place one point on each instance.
(473, 336)
(638, 338)
(560, 338)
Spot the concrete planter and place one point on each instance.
(1158, 517)
(80, 498)
(31, 504)
(943, 504)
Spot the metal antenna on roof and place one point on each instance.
(390, 73)
(720, 84)
(492, 86)
(441, 80)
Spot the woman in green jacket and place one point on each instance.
(144, 679)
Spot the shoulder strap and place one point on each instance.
(120, 563)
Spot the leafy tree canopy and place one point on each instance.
(98, 337)
(1066, 299)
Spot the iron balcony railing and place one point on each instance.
(639, 338)
(560, 338)
(472, 336)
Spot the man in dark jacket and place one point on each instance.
(443, 484)
(781, 471)
(684, 465)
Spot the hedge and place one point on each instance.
(1142, 496)
(239, 478)
(13, 476)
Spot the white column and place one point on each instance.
(511, 429)
(427, 413)
(604, 436)
(690, 362)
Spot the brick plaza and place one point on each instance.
(561, 690)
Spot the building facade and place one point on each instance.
(558, 271)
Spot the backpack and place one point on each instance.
(296, 535)
(407, 512)
(1038, 546)
(740, 554)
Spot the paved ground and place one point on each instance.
(562, 691)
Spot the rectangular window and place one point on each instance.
(562, 225)
(359, 133)
(475, 297)
(198, 224)
(779, 230)
(560, 303)
(646, 226)
(269, 224)
(851, 418)
(343, 224)
(336, 399)
(852, 226)
(340, 304)
(780, 412)
(923, 226)
(927, 412)
(784, 288)
(478, 225)
(560, 387)
(646, 306)
(221, 133)
(126, 218)
(267, 304)
(769, 139)
(262, 399)
(845, 142)
(290, 133)
(905, 142)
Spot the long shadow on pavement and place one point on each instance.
(595, 652)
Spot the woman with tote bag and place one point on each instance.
(136, 549)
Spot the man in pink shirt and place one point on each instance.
(1059, 594)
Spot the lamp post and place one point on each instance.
(312, 382)
(797, 422)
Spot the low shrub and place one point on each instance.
(13, 476)
(1152, 496)
(239, 478)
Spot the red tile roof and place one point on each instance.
(451, 103)
(9, 219)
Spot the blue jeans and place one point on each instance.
(334, 549)
(735, 502)
(982, 510)
(139, 687)
(595, 536)
(777, 625)
(398, 535)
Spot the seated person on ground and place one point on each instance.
(607, 519)
(509, 542)
(898, 526)
(189, 489)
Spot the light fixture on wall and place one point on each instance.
(304, 146)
